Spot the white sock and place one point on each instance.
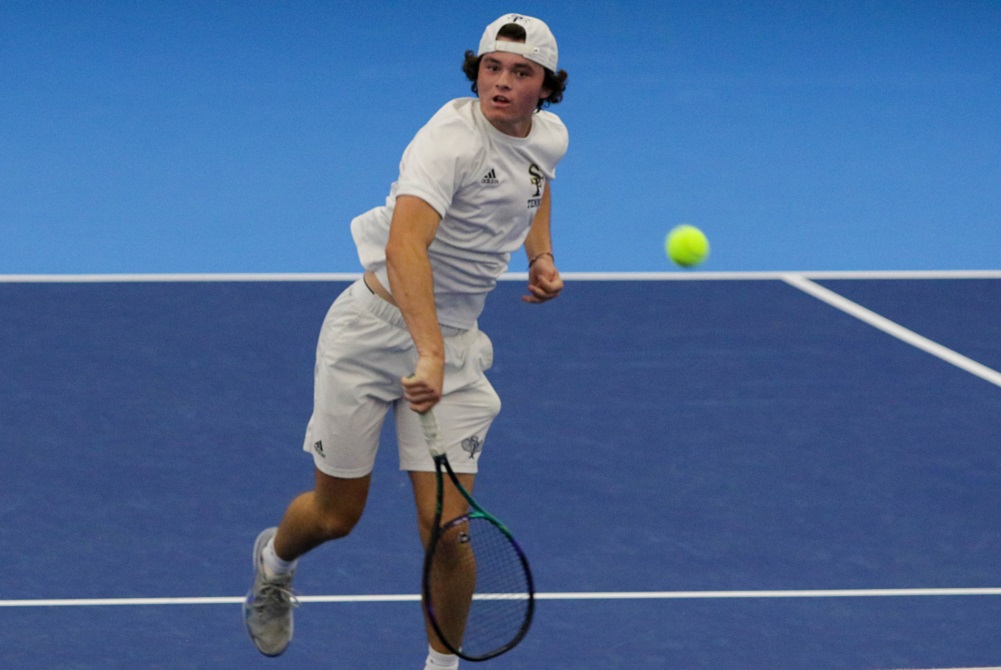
(437, 661)
(273, 563)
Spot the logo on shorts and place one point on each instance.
(472, 446)
(318, 448)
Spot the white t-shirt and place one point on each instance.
(486, 186)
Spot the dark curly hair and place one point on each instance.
(556, 82)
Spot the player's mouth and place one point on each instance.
(501, 100)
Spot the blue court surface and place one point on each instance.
(707, 471)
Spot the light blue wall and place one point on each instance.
(243, 136)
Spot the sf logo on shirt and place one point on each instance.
(537, 181)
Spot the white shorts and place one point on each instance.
(363, 352)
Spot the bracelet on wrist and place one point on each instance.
(535, 258)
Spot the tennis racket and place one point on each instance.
(478, 593)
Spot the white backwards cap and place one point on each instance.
(539, 45)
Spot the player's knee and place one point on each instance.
(336, 526)
(425, 526)
(337, 505)
(337, 520)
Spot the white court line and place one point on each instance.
(687, 275)
(892, 328)
(178, 277)
(587, 595)
(516, 276)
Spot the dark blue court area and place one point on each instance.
(684, 441)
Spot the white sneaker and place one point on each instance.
(267, 611)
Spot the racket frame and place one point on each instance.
(437, 449)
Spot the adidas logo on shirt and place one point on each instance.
(490, 178)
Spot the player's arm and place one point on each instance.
(411, 282)
(544, 281)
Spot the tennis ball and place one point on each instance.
(686, 245)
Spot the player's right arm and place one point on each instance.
(411, 282)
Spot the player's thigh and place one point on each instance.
(425, 488)
(340, 500)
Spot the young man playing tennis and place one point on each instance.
(473, 187)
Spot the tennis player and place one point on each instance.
(473, 187)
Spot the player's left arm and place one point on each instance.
(544, 282)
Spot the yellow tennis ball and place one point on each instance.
(686, 245)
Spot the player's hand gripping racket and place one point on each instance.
(478, 592)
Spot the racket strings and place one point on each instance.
(480, 590)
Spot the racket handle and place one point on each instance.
(432, 433)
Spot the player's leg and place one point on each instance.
(465, 415)
(454, 602)
(351, 395)
(329, 512)
(425, 488)
(343, 437)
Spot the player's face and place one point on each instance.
(510, 87)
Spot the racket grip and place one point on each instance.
(432, 433)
